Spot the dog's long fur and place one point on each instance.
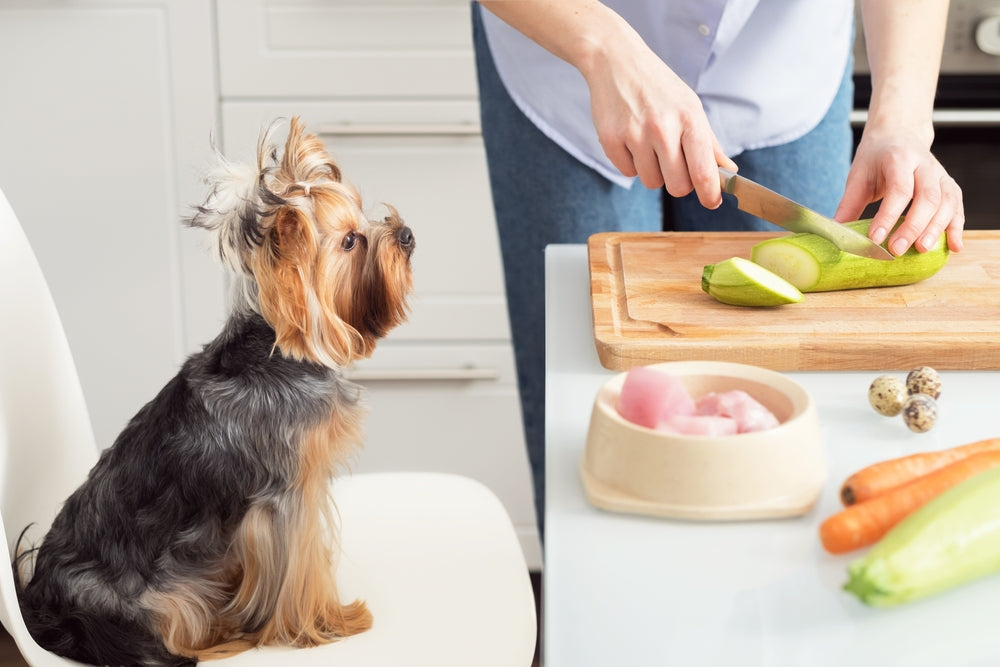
(207, 527)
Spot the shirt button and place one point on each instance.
(704, 30)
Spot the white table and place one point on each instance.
(631, 591)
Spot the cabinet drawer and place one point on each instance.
(427, 160)
(345, 48)
(452, 409)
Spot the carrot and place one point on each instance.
(885, 475)
(864, 523)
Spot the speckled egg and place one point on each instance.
(919, 412)
(886, 394)
(924, 380)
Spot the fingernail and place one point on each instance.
(928, 241)
(879, 235)
(899, 246)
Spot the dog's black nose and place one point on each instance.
(404, 237)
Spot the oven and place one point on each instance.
(967, 106)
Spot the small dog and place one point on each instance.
(207, 528)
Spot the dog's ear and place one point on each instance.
(283, 279)
(291, 231)
(287, 275)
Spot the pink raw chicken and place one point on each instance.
(749, 414)
(649, 397)
(656, 399)
(698, 425)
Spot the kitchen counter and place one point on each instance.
(634, 591)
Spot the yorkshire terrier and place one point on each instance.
(208, 528)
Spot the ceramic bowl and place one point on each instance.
(772, 473)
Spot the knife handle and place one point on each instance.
(725, 178)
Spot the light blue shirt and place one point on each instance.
(766, 70)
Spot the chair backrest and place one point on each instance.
(46, 442)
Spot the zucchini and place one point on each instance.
(952, 540)
(813, 264)
(740, 282)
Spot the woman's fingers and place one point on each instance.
(908, 179)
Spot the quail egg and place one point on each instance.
(919, 412)
(886, 394)
(924, 380)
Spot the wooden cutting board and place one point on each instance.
(648, 306)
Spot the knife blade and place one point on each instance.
(757, 200)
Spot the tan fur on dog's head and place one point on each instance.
(329, 281)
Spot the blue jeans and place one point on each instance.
(542, 195)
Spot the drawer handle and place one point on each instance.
(423, 374)
(947, 117)
(400, 129)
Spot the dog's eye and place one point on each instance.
(350, 240)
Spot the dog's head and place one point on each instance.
(328, 280)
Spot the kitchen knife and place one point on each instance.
(757, 200)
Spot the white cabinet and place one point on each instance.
(107, 108)
(390, 87)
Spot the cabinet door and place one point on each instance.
(345, 49)
(107, 112)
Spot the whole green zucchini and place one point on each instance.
(813, 264)
(953, 539)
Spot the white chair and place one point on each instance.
(434, 555)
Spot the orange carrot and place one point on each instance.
(864, 523)
(880, 477)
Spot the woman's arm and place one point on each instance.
(649, 122)
(894, 161)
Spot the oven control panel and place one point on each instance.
(988, 35)
(971, 43)
(972, 40)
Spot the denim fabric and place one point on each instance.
(542, 195)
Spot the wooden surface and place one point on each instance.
(9, 655)
(648, 306)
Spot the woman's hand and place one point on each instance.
(904, 39)
(899, 169)
(652, 125)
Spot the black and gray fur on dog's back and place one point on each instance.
(207, 528)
